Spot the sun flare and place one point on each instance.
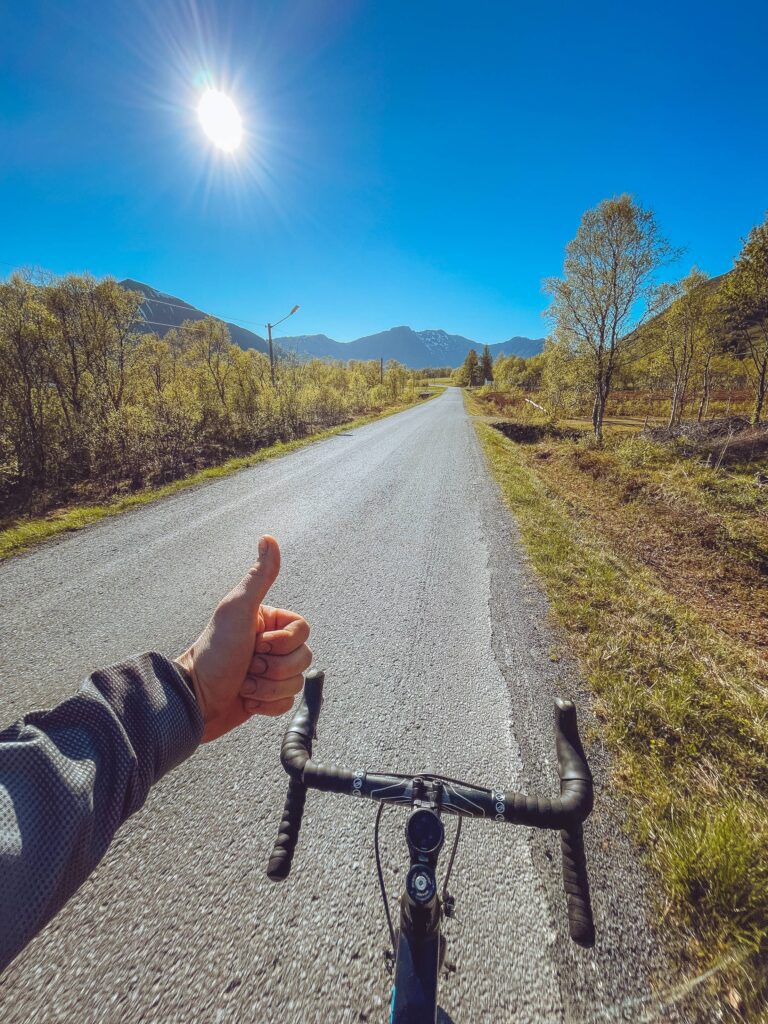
(220, 120)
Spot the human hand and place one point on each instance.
(250, 657)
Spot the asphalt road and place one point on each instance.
(434, 637)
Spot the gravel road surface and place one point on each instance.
(434, 638)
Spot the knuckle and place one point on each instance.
(280, 670)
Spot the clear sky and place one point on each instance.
(417, 162)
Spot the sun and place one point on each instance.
(220, 119)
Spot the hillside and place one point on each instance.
(162, 312)
(643, 337)
(414, 349)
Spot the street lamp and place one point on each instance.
(271, 352)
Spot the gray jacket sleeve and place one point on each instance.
(70, 777)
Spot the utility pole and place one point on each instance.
(271, 355)
(271, 350)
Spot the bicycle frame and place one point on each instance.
(420, 944)
(414, 993)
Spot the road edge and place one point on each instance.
(670, 997)
(24, 534)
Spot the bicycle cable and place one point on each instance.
(446, 898)
(381, 876)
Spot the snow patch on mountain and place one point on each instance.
(435, 341)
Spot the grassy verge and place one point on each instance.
(19, 534)
(637, 550)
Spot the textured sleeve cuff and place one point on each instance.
(154, 703)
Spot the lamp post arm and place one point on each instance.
(295, 308)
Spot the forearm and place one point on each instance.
(71, 776)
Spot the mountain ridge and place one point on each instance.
(415, 349)
(161, 310)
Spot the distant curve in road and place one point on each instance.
(398, 550)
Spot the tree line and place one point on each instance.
(616, 330)
(91, 403)
(475, 370)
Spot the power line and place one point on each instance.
(175, 327)
(156, 323)
(204, 316)
(194, 309)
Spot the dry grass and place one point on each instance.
(687, 524)
(656, 565)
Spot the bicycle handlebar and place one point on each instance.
(566, 812)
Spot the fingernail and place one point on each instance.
(258, 667)
(263, 545)
(264, 647)
(249, 687)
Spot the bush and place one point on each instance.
(89, 400)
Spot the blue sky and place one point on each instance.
(406, 162)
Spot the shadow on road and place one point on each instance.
(443, 1018)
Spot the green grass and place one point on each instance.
(684, 708)
(23, 533)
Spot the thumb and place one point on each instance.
(263, 574)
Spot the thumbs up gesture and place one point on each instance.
(250, 657)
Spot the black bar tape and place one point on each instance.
(571, 759)
(565, 812)
(576, 782)
(296, 747)
(575, 800)
(576, 885)
(287, 835)
(572, 806)
(295, 751)
(331, 780)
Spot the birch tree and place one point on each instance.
(746, 296)
(684, 330)
(607, 288)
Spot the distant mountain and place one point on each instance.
(162, 311)
(415, 349)
(517, 346)
(319, 346)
